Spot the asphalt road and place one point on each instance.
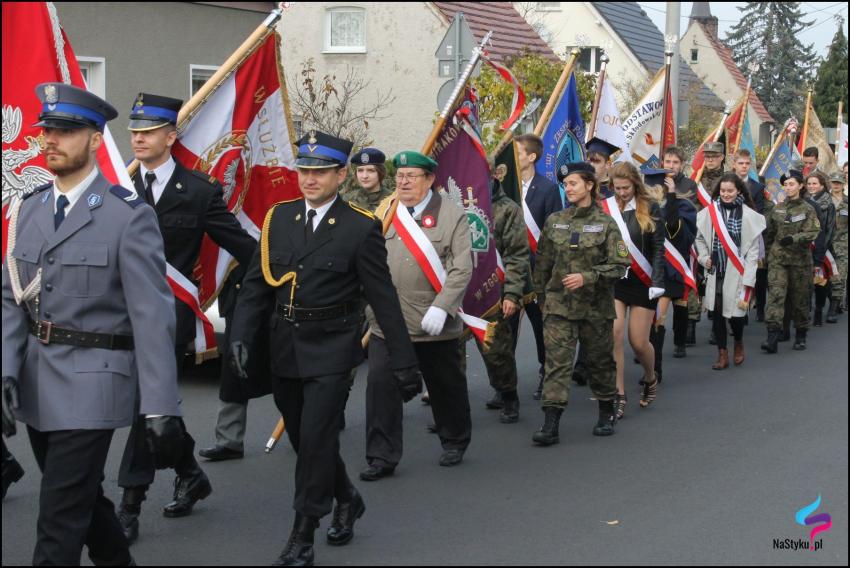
(713, 472)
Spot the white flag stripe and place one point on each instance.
(213, 121)
(268, 135)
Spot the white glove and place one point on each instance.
(434, 320)
(655, 293)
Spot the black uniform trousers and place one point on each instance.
(138, 466)
(439, 362)
(311, 409)
(72, 509)
(535, 316)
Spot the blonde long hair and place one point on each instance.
(628, 171)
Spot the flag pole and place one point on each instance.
(428, 146)
(801, 145)
(779, 140)
(838, 130)
(727, 110)
(509, 134)
(740, 132)
(592, 132)
(662, 140)
(557, 92)
(188, 110)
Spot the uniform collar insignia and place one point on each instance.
(94, 200)
(298, 217)
(331, 221)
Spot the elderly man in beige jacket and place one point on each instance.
(428, 248)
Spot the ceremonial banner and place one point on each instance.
(729, 131)
(779, 165)
(507, 172)
(747, 143)
(242, 136)
(643, 127)
(564, 135)
(842, 145)
(817, 137)
(36, 50)
(609, 126)
(464, 176)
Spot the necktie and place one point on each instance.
(411, 210)
(61, 204)
(150, 177)
(308, 228)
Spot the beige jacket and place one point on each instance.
(450, 237)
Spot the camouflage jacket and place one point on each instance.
(710, 177)
(798, 220)
(581, 240)
(363, 199)
(512, 243)
(839, 238)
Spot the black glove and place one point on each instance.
(165, 439)
(786, 241)
(10, 401)
(239, 359)
(409, 382)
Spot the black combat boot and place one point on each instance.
(129, 511)
(299, 549)
(605, 424)
(548, 435)
(341, 530)
(800, 340)
(538, 394)
(495, 403)
(832, 314)
(692, 333)
(190, 486)
(818, 317)
(510, 411)
(771, 345)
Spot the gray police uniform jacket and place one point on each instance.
(103, 271)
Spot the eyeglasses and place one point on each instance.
(405, 177)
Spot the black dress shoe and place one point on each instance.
(187, 491)
(299, 548)
(495, 403)
(376, 472)
(341, 530)
(128, 517)
(218, 453)
(679, 352)
(451, 457)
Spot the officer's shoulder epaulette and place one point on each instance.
(212, 180)
(38, 189)
(362, 211)
(131, 198)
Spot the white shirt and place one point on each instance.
(420, 207)
(630, 206)
(525, 186)
(74, 193)
(320, 212)
(163, 175)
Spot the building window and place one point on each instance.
(548, 6)
(694, 55)
(198, 75)
(345, 30)
(94, 74)
(588, 59)
(298, 125)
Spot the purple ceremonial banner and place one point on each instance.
(464, 177)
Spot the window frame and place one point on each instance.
(96, 69)
(192, 68)
(329, 12)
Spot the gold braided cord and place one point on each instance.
(264, 256)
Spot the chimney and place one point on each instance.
(701, 13)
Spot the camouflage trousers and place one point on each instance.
(839, 281)
(788, 287)
(562, 336)
(499, 358)
(694, 307)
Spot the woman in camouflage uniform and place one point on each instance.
(579, 257)
(839, 247)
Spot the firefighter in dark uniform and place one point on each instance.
(188, 205)
(317, 257)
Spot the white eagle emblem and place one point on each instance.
(19, 181)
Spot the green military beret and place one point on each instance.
(411, 159)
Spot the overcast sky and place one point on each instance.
(820, 33)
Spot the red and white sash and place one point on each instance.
(725, 238)
(703, 196)
(640, 265)
(500, 267)
(831, 265)
(530, 226)
(428, 260)
(680, 265)
(187, 293)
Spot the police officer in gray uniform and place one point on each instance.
(84, 334)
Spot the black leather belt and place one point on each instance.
(48, 333)
(291, 313)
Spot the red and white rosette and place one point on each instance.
(428, 260)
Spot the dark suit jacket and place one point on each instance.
(192, 206)
(757, 193)
(343, 260)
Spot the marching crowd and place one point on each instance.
(88, 315)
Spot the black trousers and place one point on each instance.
(72, 509)
(761, 289)
(138, 467)
(439, 362)
(311, 410)
(719, 322)
(535, 316)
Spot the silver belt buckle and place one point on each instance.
(44, 325)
